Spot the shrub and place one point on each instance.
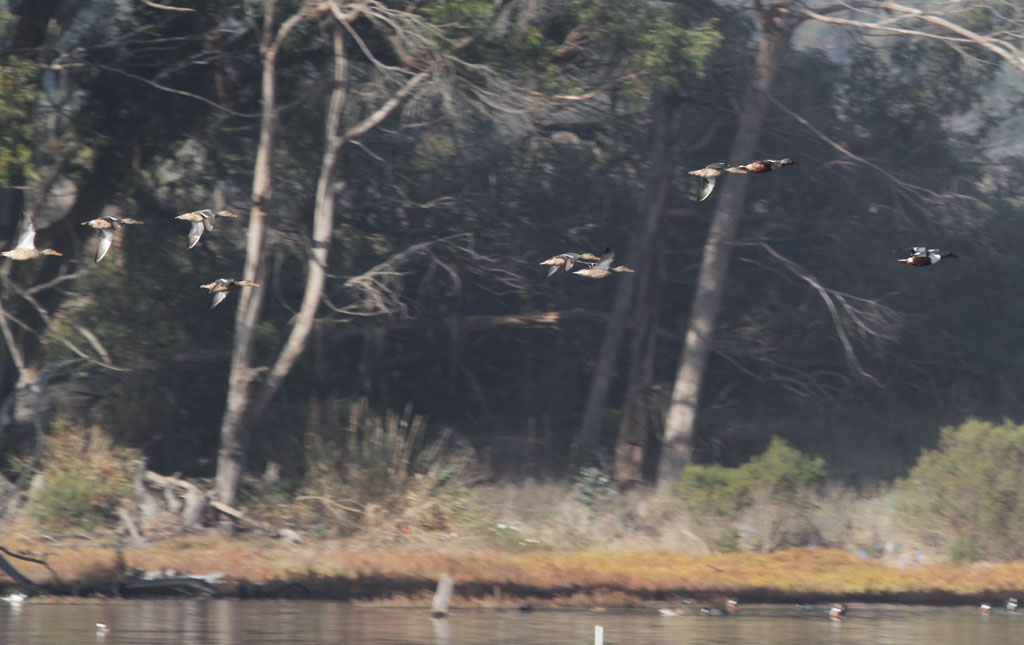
(779, 482)
(85, 479)
(381, 467)
(967, 487)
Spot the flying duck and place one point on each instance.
(201, 220)
(709, 174)
(26, 249)
(604, 267)
(765, 165)
(922, 257)
(221, 287)
(105, 226)
(565, 261)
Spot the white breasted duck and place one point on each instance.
(985, 608)
(201, 221)
(604, 268)
(105, 226)
(837, 612)
(923, 257)
(1011, 605)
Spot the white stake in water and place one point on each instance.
(598, 635)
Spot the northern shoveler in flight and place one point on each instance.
(221, 287)
(105, 226)
(837, 612)
(922, 257)
(604, 267)
(709, 174)
(765, 165)
(26, 249)
(565, 261)
(202, 220)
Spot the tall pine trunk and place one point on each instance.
(659, 182)
(677, 447)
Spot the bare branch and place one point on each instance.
(164, 7)
(1002, 47)
(867, 318)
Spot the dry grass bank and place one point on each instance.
(353, 569)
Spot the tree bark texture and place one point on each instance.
(653, 208)
(682, 412)
(631, 441)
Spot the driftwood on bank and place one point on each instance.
(174, 504)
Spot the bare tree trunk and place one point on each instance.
(241, 404)
(682, 412)
(233, 435)
(323, 225)
(658, 185)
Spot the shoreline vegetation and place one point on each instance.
(354, 570)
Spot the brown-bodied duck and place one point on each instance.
(221, 287)
(201, 220)
(565, 261)
(604, 267)
(923, 257)
(105, 227)
(764, 165)
(26, 249)
(710, 173)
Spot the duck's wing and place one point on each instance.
(195, 233)
(552, 270)
(606, 259)
(217, 297)
(27, 235)
(208, 217)
(706, 188)
(103, 242)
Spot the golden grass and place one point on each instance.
(350, 568)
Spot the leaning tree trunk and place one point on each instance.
(682, 412)
(631, 442)
(653, 207)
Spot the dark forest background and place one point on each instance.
(534, 128)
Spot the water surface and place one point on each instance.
(194, 621)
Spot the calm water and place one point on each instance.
(304, 621)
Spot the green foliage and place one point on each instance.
(781, 473)
(18, 93)
(85, 478)
(969, 487)
(963, 550)
(714, 490)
